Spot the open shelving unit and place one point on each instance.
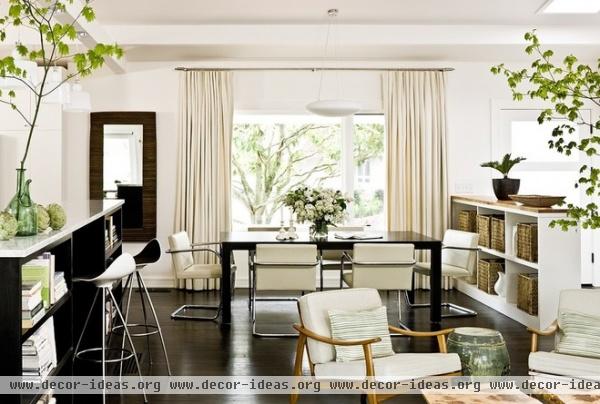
(558, 265)
(79, 251)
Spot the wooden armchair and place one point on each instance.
(315, 336)
(553, 364)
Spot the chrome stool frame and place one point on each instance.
(149, 255)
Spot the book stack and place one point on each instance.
(110, 233)
(41, 270)
(60, 286)
(39, 353)
(32, 306)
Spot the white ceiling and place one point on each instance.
(167, 12)
(204, 31)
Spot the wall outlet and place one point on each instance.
(463, 187)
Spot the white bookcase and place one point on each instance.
(558, 266)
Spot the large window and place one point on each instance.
(369, 163)
(275, 153)
(546, 171)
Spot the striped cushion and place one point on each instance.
(580, 335)
(360, 325)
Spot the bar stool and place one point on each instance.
(123, 266)
(149, 255)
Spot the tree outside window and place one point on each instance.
(274, 154)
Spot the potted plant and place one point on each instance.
(321, 206)
(503, 187)
(54, 47)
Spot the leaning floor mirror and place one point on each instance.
(123, 166)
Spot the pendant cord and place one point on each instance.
(324, 59)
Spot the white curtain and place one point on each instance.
(417, 190)
(204, 160)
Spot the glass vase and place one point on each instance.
(23, 208)
(319, 230)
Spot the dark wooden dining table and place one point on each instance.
(233, 241)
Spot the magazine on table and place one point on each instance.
(356, 235)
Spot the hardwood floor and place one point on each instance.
(205, 348)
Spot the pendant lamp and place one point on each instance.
(336, 107)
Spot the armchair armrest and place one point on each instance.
(449, 247)
(332, 341)
(207, 243)
(440, 335)
(195, 250)
(535, 333)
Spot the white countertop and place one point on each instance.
(77, 216)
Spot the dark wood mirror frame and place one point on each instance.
(148, 119)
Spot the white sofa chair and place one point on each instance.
(315, 336)
(554, 364)
(282, 267)
(459, 260)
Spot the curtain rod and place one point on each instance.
(316, 69)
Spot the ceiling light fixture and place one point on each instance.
(570, 7)
(332, 107)
(80, 101)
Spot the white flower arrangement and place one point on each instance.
(323, 206)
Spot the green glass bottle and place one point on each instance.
(22, 207)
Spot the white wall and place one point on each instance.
(154, 88)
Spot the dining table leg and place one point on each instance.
(436, 283)
(225, 284)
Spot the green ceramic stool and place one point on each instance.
(482, 351)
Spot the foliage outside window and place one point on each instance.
(274, 154)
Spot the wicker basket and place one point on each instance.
(467, 221)
(498, 234)
(527, 297)
(487, 274)
(527, 241)
(484, 228)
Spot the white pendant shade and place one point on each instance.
(60, 92)
(30, 73)
(79, 100)
(334, 108)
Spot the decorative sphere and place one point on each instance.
(43, 218)
(8, 226)
(58, 217)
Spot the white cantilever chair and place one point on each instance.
(282, 267)
(185, 267)
(459, 260)
(382, 267)
(252, 253)
(315, 336)
(554, 364)
(331, 259)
